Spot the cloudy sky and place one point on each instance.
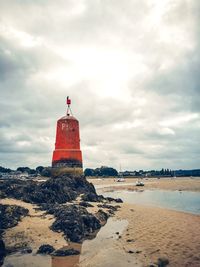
(131, 68)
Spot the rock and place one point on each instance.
(130, 240)
(26, 250)
(117, 200)
(65, 252)
(92, 197)
(85, 204)
(74, 221)
(61, 189)
(45, 249)
(131, 251)
(2, 249)
(10, 215)
(162, 262)
(102, 216)
(110, 207)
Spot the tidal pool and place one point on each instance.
(177, 200)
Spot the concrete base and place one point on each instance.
(57, 171)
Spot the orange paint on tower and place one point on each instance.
(67, 151)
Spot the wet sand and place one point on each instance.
(184, 184)
(158, 232)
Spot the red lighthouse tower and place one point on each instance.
(67, 156)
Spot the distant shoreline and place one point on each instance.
(181, 184)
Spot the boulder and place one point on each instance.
(162, 262)
(45, 249)
(74, 221)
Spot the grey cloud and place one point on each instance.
(31, 104)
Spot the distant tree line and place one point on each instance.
(102, 171)
(106, 171)
(163, 172)
(5, 170)
(43, 171)
(40, 170)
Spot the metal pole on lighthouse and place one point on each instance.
(68, 102)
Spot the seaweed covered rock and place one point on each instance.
(65, 252)
(61, 189)
(85, 204)
(45, 249)
(15, 188)
(162, 262)
(102, 216)
(92, 197)
(10, 215)
(2, 251)
(74, 221)
(117, 200)
(64, 188)
(53, 196)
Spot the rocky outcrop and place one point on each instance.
(55, 190)
(74, 221)
(55, 196)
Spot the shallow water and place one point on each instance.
(101, 246)
(177, 200)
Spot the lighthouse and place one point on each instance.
(67, 156)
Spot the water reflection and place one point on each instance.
(100, 247)
(67, 261)
(37, 260)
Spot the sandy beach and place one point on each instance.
(160, 232)
(184, 184)
(148, 232)
(33, 230)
